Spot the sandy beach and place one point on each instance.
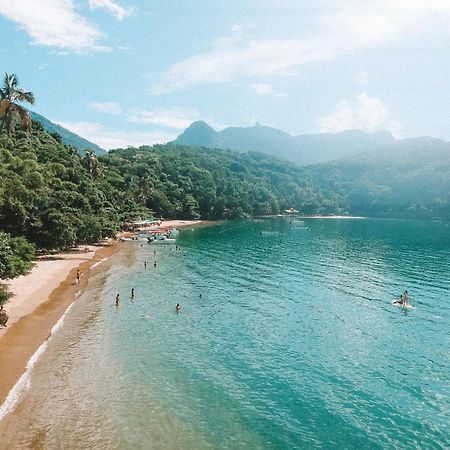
(39, 299)
(42, 296)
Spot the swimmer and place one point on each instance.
(178, 308)
(399, 301)
(200, 295)
(117, 300)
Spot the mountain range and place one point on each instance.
(303, 149)
(67, 137)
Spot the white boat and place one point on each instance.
(160, 239)
(164, 241)
(297, 223)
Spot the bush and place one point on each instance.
(4, 295)
(16, 256)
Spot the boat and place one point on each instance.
(160, 239)
(298, 225)
(173, 233)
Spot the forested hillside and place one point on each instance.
(189, 182)
(410, 179)
(67, 137)
(51, 197)
(56, 198)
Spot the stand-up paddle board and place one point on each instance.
(395, 303)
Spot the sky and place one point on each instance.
(135, 72)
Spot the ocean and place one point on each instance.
(287, 338)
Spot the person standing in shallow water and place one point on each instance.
(178, 308)
(145, 264)
(78, 275)
(154, 264)
(117, 300)
(132, 292)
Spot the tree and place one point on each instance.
(10, 94)
(92, 164)
(16, 256)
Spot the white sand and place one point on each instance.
(31, 290)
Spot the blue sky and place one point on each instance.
(133, 72)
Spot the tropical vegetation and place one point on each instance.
(53, 197)
(10, 111)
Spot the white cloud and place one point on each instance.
(175, 118)
(419, 5)
(262, 88)
(106, 108)
(118, 11)
(246, 59)
(178, 118)
(53, 23)
(363, 112)
(340, 30)
(108, 139)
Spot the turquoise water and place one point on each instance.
(294, 343)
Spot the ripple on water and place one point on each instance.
(294, 343)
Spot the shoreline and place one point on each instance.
(179, 224)
(40, 300)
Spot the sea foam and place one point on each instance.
(99, 262)
(24, 381)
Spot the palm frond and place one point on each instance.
(11, 92)
(24, 96)
(10, 82)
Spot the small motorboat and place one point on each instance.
(160, 239)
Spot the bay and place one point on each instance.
(286, 338)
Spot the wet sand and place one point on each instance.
(39, 300)
(41, 297)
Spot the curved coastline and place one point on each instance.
(33, 325)
(40, 302)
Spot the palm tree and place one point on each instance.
(9, 109)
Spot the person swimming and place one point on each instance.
(399, 301)
(178, 308)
